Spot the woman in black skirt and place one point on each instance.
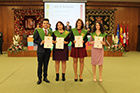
(60, 54)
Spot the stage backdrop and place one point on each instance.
(126, 11)
(25, 20)
(106, 17)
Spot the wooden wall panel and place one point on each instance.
(7, 22)
(4, 25)
(113, 4)
(139, 16)
(21, 3)
(0, 19)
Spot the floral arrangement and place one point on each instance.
(16, 48)
(115, 46)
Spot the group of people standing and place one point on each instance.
(62, 55)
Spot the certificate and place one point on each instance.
(79, 40)
(59, 43)
(97, 43)
(48, 42)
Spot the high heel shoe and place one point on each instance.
(100, 79)
(94, 79)
(81, 80)
(76, 79)
(63, 77)
(57, 77)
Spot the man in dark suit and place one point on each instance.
(43, 54)
(88, 26)
(68, 27)
(1, 41)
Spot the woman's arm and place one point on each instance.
(85, 39)
(103, 42)
(91, 41)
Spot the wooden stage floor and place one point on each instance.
(33, 53)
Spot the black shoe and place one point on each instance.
(57, 77)
(39, 82)
(76, 79)
(63, 77)
(81, 80)
(46, 80)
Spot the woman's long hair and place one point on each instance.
(61, 24)
(101, 27)
(81, 22)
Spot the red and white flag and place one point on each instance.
(127, 35)
(124, 35)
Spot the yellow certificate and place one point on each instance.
(59, 43)
(97, 43)
(79, 40)
(48, 42)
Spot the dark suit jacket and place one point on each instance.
(40, 49)
(88, 27)
(69, 28)
(1, 40)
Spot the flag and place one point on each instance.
(118, 32)
(121, 34)
(127, 35)
(124, 35)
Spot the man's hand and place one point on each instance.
(42, 42)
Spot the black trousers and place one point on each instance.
(1, 47)
(43, 60)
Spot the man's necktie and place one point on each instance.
(46, 32)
